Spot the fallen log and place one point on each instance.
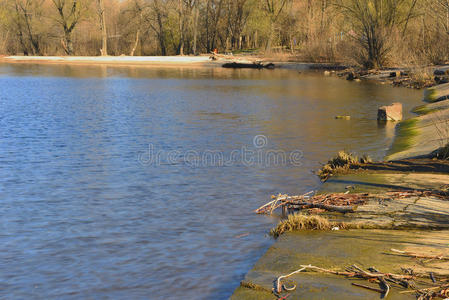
(255, 65)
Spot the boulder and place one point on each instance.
(390, 113)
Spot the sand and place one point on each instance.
(202, 60)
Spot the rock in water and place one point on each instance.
(390, 113)
(343, 117)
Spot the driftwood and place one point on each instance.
(341, 209)
(418, 255)
(352, 272)
(336, 202)
(367, 287)
(254, 65)
(428, 290)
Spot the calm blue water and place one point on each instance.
(86, 214)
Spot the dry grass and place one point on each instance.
(422, 77)
(341, 163)
(304, 222)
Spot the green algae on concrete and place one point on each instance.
(421, 136)
(423, 110)
(380, 182)
(336, 250)
(406, 131)
(431, 107)
(437, 93)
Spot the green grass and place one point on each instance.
(405, 133)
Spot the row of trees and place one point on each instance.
(373, 33)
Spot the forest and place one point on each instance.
(369, 33)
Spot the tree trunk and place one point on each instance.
(195, 28)
(135, 43)
(256, 41)
(181, 28)
(161, 29)
(104, 35)
(270, 39)
(68, 44)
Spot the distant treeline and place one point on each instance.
(371, 33)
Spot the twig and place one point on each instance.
(385, 287)
(368, 287)
(417, 255)
(278, 281)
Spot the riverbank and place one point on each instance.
(417, 78)
(413, 165)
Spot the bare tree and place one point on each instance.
(156, 20)
(373, 22)
(70, 13)
(237, 13)
(273, 9)
(26, 11)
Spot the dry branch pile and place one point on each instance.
(337, 202)
(429, 289)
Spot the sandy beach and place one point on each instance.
(166, 61)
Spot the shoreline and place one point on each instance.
(400, 77)
(201, 61)
(416, 224)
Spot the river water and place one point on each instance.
(139, 183)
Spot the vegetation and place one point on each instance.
(370, 33)
(304, 222)
(342, 162)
